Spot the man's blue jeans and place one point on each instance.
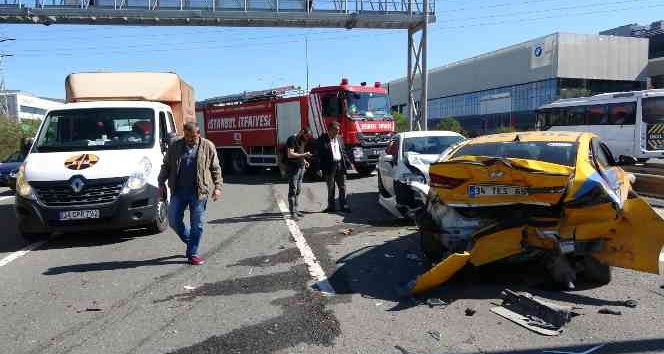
(190, 235)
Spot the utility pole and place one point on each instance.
(4, 109)
(306, 58)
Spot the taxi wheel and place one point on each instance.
(595, 272)
(432, 247)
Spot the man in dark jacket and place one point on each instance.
(295, 161)
(192, 169)
(333, 164)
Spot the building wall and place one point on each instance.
(602, 57)
(21, 105)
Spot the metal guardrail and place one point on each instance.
(649, 179)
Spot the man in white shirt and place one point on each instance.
(332, 158)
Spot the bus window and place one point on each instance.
(622, 113)
(653, 110)
(598, 115)
(576, 115)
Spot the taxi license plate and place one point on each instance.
(79, 214)
(495, 190)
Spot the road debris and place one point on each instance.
(387, 255)
(537, 315)
(607, 311)
(90, 309)
(436, 302)
(435, 335)
(379, 304)
(413, 257)
(347, 232)
(470, 312)
(189, 287)
(630, 303)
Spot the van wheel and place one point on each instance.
(35, 236)
(160, 222)
(239, 162)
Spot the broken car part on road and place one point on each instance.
(537, 315)
(557, 196)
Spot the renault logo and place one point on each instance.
(77, 185)
(496, 174)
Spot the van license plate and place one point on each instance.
(79, 214)
(495, 190)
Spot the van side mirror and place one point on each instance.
(168, 140)
(27, 145)
(625, 160)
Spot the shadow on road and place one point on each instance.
(114, 265)
(248, 218)
(7, 193)
(10, 241)
(383, 271)
(366, 210)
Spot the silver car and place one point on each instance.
(406, 160)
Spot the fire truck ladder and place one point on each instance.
(249, 96)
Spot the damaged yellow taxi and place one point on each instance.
(558, 197)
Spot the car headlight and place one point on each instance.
(358, 152)
(407, 178)
(22, 186)
(139, 178)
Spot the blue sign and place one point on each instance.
(538, 51)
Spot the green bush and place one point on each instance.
(453, 125)
(505, 129)
(401, 122)
(12, 134)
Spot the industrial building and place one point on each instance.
(505, 87)
(655, 35)
(21, 105)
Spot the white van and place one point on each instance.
(93, 166)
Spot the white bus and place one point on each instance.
(631, 123)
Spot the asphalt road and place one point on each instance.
(132, 292)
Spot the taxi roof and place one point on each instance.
(548, 136)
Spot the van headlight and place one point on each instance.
(22, 186)
(139, 178)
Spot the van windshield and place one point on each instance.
(97, 129)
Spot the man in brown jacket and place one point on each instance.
(192, 169)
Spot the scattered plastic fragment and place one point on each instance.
(347, 232)
(436, 302)
(189, 287)
(91, 309)
(435, 335)
(413, 257)
(606, 311)
(470, 312)
(387, 255)
(537, 315)
(630, 303)
(379, 304)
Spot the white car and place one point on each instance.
(406, 160)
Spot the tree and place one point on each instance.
(453, 125)
(401, 122)
(13, 133)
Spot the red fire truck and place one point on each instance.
(251, 128)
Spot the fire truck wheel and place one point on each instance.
(239, 162)
(365, 170)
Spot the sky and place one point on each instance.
(225, 60)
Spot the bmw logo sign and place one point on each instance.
(538, 51)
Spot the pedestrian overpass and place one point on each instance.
(413, 15)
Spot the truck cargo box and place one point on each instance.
(167, 88)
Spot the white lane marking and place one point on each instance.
(315, 270)
(18, 254)
(5, 198)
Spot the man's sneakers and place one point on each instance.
(196, 260)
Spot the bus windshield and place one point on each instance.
(653, 110)
(97, 129)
